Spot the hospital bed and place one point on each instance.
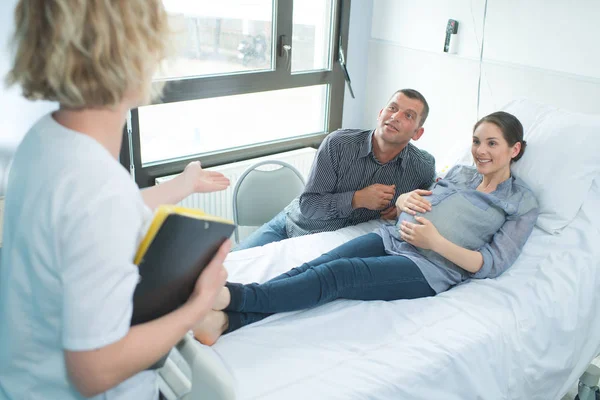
(528, 334)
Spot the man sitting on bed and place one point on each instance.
(358, 174)
(473, 225)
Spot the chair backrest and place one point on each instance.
(259, 195)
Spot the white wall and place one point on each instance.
(540, 49)
(549, 53)
(16, 113)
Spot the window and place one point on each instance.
(220, 37)
(199, 126)
(250, 78)
(311, 38)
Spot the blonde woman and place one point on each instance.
(73, 215)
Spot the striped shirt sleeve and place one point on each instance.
(319, 200)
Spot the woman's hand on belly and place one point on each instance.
(413, 202)
(426, 236)
(423, 235)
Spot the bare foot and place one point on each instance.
(223, 299)
(210, 329)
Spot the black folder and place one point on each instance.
(177, 247)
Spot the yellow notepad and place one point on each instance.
(160, 214)
(178, 245)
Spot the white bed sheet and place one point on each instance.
(527, 335)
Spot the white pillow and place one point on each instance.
(561, 160)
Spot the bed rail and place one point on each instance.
(210, 379)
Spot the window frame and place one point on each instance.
(204, 87)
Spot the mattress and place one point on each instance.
(527, 334)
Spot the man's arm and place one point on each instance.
(319, 200)
(430, 173)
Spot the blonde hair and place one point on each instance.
(88, 53)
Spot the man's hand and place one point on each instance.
(389, 213)
(423, 235)
(199, 180)
(374, 197)
(413, 202)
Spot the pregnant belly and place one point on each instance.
(462, 222)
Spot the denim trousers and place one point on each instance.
(359, 269)
(272, 231)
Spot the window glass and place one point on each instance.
(311, 39)
(180, 129)
(219, 37)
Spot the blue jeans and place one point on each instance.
(272, 231)
(359, 269)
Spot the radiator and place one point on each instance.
(221, 203)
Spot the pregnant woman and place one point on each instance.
(472, 224)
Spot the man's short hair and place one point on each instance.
(413, 94)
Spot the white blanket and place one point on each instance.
(525, 335)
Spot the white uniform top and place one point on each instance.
(73, 221)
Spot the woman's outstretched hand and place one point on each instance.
(423, 235)
(413, 202)
(199, 180)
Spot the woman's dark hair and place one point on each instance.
(511, 128)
